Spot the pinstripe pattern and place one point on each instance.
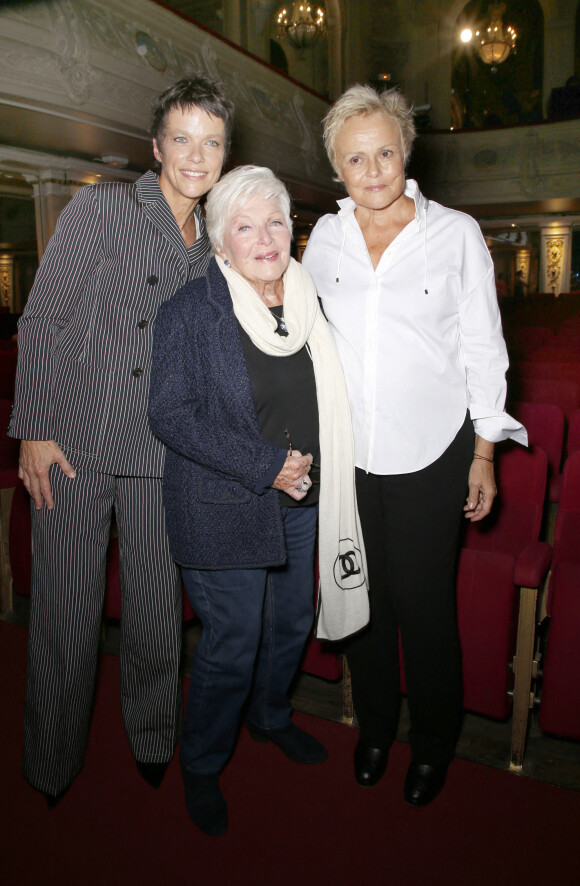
(68, 581)
(84, 344)
(117, 254)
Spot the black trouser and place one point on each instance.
(411, 526)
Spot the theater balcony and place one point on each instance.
(521, 183)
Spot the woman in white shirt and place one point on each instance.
(408, 288)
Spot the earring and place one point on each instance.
(227, 262)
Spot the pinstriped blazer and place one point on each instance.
(86, 334)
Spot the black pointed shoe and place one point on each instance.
(369, 764)
(296, 744)
(53, 800)
(205, 803)
(153, 773)
(423, 783)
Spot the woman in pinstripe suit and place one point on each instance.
(118, 252)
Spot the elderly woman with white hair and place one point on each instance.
(408, 288)
(248, 393)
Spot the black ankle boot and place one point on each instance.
(205, 803)
(297, 745)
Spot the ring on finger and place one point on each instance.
(305, 485)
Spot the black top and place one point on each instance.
(284, 392)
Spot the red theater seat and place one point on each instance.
(573, 444)
(560, 702)
(546, 370)
(511, 530)
(487, 611)
(565, 394)
(544, 423)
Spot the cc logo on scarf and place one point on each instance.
(348, 572)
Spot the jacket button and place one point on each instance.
(142, 324)
(152, 280)
(137, 373)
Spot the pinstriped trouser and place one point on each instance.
(69, 546)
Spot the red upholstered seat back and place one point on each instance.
(560, 704)
(571, 485)
(487, 609)
(549, 369)
(562, 393)
(487, 615)
(573, 444)
(567, 527)
(545, 425)
(516, 516)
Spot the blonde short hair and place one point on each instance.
(365, 100)
(234, 190)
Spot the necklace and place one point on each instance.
(277, 312)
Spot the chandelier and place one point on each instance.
(301, 23)
(496, 42)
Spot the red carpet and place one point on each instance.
(288, 824)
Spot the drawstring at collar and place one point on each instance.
(340, 255)
(424, 249)
(425, 246)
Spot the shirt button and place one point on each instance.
(137, 373)
(152, 280)
(142, 324)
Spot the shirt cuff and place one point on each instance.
(495, 426)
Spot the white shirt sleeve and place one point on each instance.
(485, 355)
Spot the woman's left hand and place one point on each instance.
(482, 490)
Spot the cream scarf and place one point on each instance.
(343, 606)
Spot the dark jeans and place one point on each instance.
(410, 526)
(255, 624)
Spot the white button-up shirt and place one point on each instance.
(419, 337)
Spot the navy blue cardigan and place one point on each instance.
(221, 510)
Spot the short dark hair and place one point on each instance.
(194, 92)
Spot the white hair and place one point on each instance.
(232, 193)
(363, 100)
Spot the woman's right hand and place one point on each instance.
(295, 468)
(36, 457)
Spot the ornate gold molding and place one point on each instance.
(523, 263)
(6, 281)
(554, 256)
